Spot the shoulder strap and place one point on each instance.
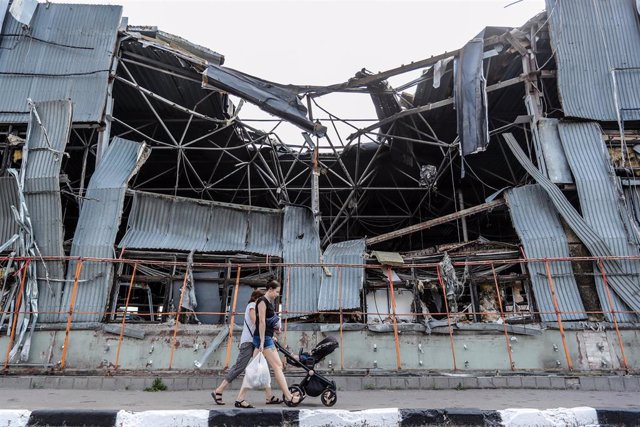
(249, 328)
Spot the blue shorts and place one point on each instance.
(268, 342)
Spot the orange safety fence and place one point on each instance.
(20, 307)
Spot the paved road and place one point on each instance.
(436, 399)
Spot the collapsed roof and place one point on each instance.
(150, 153)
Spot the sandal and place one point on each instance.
(217, 397)
(274, 401)
(292, 403)
(243, 404)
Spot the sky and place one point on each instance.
(322, 42)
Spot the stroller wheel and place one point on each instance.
(297, 392)
(328, 397)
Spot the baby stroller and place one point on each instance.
(313, 384)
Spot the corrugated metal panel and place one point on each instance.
(46, 141)
(97, 227)
(538, 226)
(632, 195)
(601, 205)
(623, 284)
(227, 230)
(67, 55)
(9, 197)
(301, 244)
(165, 222)
(261, 236)
(342, 288)
(590, 38)
(555, 161)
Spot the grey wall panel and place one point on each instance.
(343, 287)
(538, 226)
(601, 204)
(188, 226)
(9, 197)
(97, 227)
(227, 230)
(301, 244)
(47, 137)
(165, 222)
(590, 38)
(68, 56)
(264, 234)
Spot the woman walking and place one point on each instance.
(266, 324)
(246, 351)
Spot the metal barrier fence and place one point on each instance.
(20, 276)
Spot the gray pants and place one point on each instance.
(244, 357)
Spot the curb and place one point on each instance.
(324, 417)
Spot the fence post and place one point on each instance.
(504, 323)
(65, 347)
(446, 307)
(16, 313)
(613, 314)
(340, 304)
(126, 310)
(395, 320)
(232, 319)
(559, 317)
(175, 328)
(286, 309)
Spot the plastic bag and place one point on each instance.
(257, 374)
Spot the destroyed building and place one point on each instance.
(491, 207)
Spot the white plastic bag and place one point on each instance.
(257, 374)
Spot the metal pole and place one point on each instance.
(395, 320)
(124, 316)
(340, 304)
(558, 316)
(233, 319)
(65, 346)
(446, 307)
(16, 311)
(286, 306)
(504, 323)
(613, 315)
(465, 234)
(175, 328)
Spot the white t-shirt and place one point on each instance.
(247, 334)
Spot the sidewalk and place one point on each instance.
(349, 400)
